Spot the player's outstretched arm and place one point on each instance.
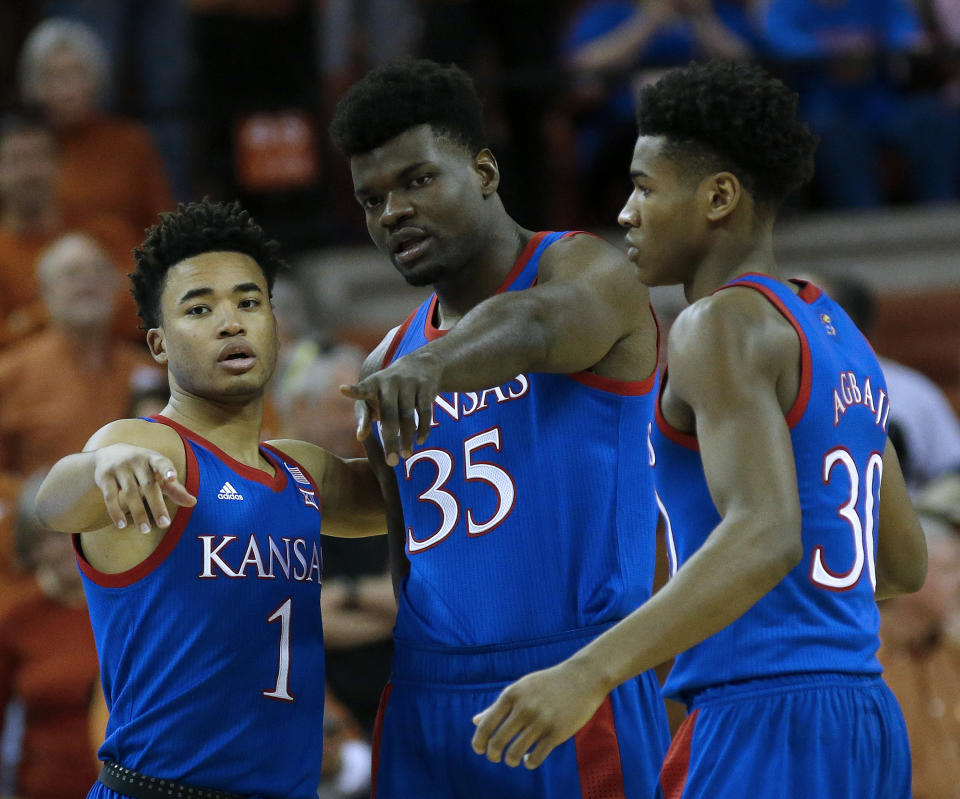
(901, 545)
(725, 367)
(123, 474)
(588, 298)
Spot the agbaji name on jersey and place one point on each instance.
(850, 393)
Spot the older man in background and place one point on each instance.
(61, 385)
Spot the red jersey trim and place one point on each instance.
(598, 756)
(431, 332)
(676, 765)
(628, 388)
(670, 432)
(809, 293)
(377, 737)
(284, 458)
(522, 261)
(795, 414)
(277, 481)
(397, 339)
(167, 544)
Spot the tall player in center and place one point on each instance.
(512, 406)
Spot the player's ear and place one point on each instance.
(157, 345)
(487, 168)
(724, 192)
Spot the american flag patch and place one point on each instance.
(296, 474)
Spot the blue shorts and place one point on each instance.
(424, 727)
(794, 737)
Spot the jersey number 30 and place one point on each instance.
(862, 529)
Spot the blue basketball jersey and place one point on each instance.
(822, 616)
(211, 650)
(529, 510)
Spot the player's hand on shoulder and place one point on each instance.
(399, 396)
(536, 714)
(134, 471)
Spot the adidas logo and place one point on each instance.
(229, 492)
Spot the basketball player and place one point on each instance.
(524, 517)
(207, 615)
(770, 449)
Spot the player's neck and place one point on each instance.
(233, 427)
(731, 258)
(480, 278)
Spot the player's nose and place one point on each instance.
(396, 208)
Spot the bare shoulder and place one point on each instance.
(735, 317)
(571, 255)
(139, 433)
(736, 332)
(374, 361)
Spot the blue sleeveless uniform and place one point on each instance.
(530, 528)
(211, 650)
(787, 700)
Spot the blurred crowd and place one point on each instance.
(111, 111)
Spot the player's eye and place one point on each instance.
(370, 202)
(197, 310)
(249, 302)
(421, 180)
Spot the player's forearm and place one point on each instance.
(68, 499)
(728, 575)
(513, 333)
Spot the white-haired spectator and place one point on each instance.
(59, 387)
(108, 163)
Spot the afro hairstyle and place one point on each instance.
(405, 93)
(731, 116)
(196, 228)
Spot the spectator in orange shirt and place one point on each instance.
(31, 218)
(59, 387)
(109, 164)
(48, 662)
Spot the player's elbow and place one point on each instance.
(906, 576)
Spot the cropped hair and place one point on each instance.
(60, 33)
(196, 228)
(731, 116)
(403, 94)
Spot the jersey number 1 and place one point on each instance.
(281, 691)
(862, 529)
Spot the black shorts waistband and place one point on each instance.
(139, 786)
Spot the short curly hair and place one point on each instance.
(195, 228)
(405, 93)
(728, 115)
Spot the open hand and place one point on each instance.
(536, 714)
(134, 481)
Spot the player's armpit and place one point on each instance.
(901, 546)
(353, 505)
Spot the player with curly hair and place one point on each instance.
(770, 447)
(513, 406)
(199, 545)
